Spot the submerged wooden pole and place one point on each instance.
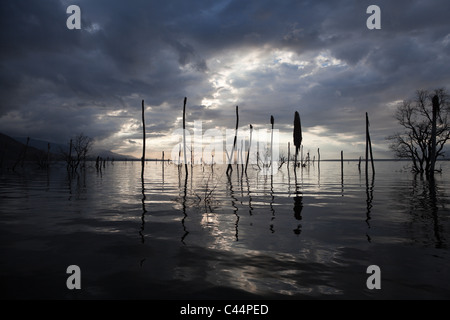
(143, 142)
(249, 148)
(144, 211)
(342, 165)
(234, 143)
(272, 122)
(184, 137)
(369, 146)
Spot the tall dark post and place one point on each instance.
(433, 135)
(144, 211)
(184, 137)
(297, 135)
(367, 143)
(369, 147)
(234, 143)
(342, 172)
(272, 122)
(249, 147)
(143, 142)
(185, 167)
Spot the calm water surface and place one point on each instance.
(211, 236)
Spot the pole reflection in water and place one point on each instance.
(162, 168)
(298, 206)
(221, 246)
(318, 173)
(233, 204)
(184, 210)
(428, 201)
(144, 211)
(434, 212)
(369, 200)
(272, 200)
(250, 207)
(342, 173)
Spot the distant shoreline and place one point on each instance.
(321, 160)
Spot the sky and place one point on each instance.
(268, 57)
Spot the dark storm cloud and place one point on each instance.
(270, 57)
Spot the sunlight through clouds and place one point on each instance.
(317, 58)
(324, 60)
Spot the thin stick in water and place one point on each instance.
(184, 137)
(272, 122)
(368, 146)
(143, 141)
(230, 168)
(249, 147)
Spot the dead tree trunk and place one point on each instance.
(433, 136)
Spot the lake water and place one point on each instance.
(215, 236)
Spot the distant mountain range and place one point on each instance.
(12, 150)
(57, 148)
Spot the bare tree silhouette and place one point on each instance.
(78, 151)
(426, 123)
